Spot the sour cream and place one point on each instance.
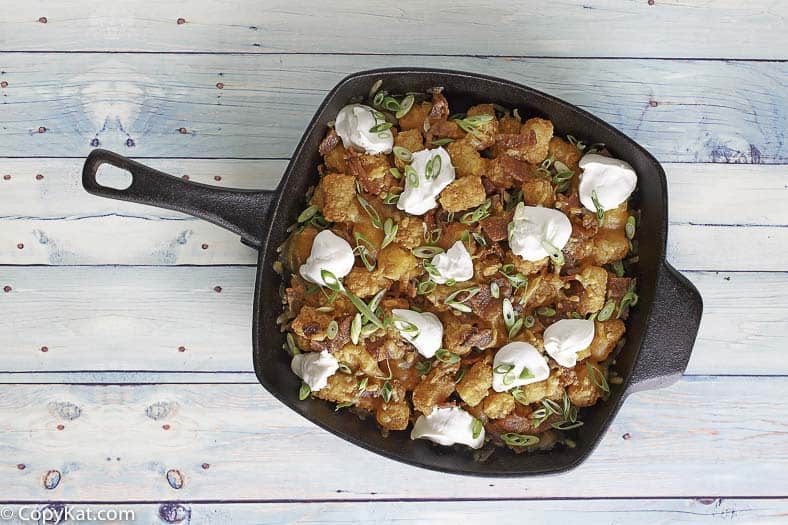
(422, 330)
(612, 180)
(512, 360)
(455, 264)
(420, 195)
(329, 252)
(353, 124)
(565, 338)
(447, 426)
(314, 368)
(536, 229)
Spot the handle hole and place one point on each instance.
(113, 177)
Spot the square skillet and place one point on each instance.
(661, 330)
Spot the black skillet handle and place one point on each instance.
(670, 335)
(241, 211)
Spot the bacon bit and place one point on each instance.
(440, 108)
(496, 227)
(329, 142)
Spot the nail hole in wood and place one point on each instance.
(42, 129)
(3, 84)
(39, 177)
(217, 289)
(44, 349)
(43, 20)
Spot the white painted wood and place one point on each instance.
(169, 105)
(133, 321)
(569, 512)
(670, 28)
(732, 194)
(702, 437)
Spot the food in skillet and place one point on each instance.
(463, 275)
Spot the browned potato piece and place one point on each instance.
(550, 388)
(299, 247)
(444, 129)
(311, 324)
(509, 124)
(435, 387)
(481, 109)
(616, 219)
(594, 281)
(465, 159)
(341, 388)
(498, 405)
(335, 159)
(372, 172)
(538, 192)
(393, 415)
(606, 337)
(460, 336)
(364, 226)
(466, 192)
(506, 172)
(411, 140)
(339, 192)
(475, 383)
(609, 246)
(484, 135)
(584, 392)
(414, 119)
(539, 132)
(565, 152)
(410, 232)
(358, 359)
(364, 283)
(395, 262)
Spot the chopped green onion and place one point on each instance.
(307, 214)
(600, 212)
(460, 374)
(567, 425)
(426, 287)
(430, 269)
(344, 368)
(477, 428)
(406, 326)
(480, 213)
(375, 302)
(304, 391)
(405, 106)
(629, 229)
(432, 236)
(355, 329)
(325, 309)
(515, 279)
(292, 347)
(508, 314)
(383, 126)
(365, 310)
(618, 268)
(526, 374)
(390, 229)
(556, 255)
(433, 167)
(597, 377)
(529, 321)
(375, 87)
(368, 329)
(447, 357)
(378, 99)
(503, 368)
(332, 330)
(330, 280)
(453, 301)
(343, 405)
(427, 252)
(362, 384)
(397, 174)
(519, 440)
(516, 327)
(607, 311)
(391, 104)
(402, 154)
(546, 311)
(386, 391)
(495, 290)
(391, 197)
(412, 176)
(441, 142)
(479, 238)
(520, 396)
(371, 211)
(424, 367)
(630, 299)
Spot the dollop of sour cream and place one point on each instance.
(565, 338)
(447, 426)
(314, 368)
(510, 364)
(353, 125)
(419, 195)
(611, 180)
(329, 252)
(535, 230)
(456, 263)
(422, 330)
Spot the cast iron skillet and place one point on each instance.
(660, 332)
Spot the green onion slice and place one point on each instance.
(355, 329)
(332, 330)
(519, 440)
(598, 377)
(402, 154)
(477, 428)
(371, 211)
(405, 106)
(304, 391)
(447, 357)
(390, 229)
(607, 311)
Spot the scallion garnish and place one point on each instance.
(597, 377)
(508, 314)
(480, 213)
(471, 124)
(515, 279)
(304, 391)
(307, 214)
(390, 197)
(383, 126)
(371, 211)
(503, 368)
(618, 268)
(397, 174)
(556, 255)
(427, 252)
(476, 428)
(453, 300)
(405, 106)
(529, 321)
(426, 287)
(344, 368)
(441, 142)
(402, 154)
(430, 269)
(495, 290)
(519, 440)
(526, 374)
(600, 212)
(460, 374)
(332, 330)
(479, 239)
(330, 280)
(390, 229)
(423, 367)
(362, 307)
(406, 326)
(447, 357)
(291, 345)
(607, 311)
(412, 176)
(355, 329)
(386, 391)
(516, 327)
(546, 311)
(391, 104)
(342, 405)
(375, 87)
(629, 229)
(377, 100)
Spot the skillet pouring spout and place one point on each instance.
(241, 211)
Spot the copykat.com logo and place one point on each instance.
(56, 514)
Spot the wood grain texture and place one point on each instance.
(129, 324)
(170, 106)
(725, 28)
(155, 441)
(569, 512)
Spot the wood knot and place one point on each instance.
(64, 409)
(174, 513)
(21, 466)
(52, 479)
(175, 479)
(160, 410)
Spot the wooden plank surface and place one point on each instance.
(236, 442)
(569, 512)
(667, 28)
(170, 105)
(171, 322)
